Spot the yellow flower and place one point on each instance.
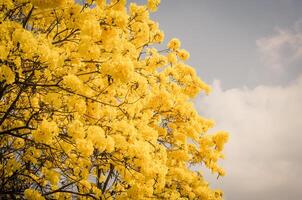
(97, 136)
(172, 58)
(220, 138)
(153, 4)
(46, 132)
(183, 54)
(6, 74)
(4, 51)
(73, 82)
(51, 175)
(120, 70)
(48, 3)
(32, 194)
(159, 36)
(19, 143)
(110, 144)
(174, 44)
(76, 129)
(85, 147)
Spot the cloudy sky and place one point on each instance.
(251, 53)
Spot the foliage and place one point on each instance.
(91, 110)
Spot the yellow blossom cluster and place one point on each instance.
(91, 109)
(33, 194)
(46, 132)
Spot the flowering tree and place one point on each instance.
(90, 109)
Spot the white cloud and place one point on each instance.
(283, 49)
(264, 154)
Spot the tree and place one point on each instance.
(90, 109)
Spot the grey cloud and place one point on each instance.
(263, 156)
(283, 49)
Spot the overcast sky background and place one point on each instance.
(251, 53)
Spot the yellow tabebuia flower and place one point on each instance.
(174, 44)
(6, 74)
(48, 3)
(183, 54)
(32, 194)
(46, 132)
(153, 4)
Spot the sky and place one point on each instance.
(251, 54)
